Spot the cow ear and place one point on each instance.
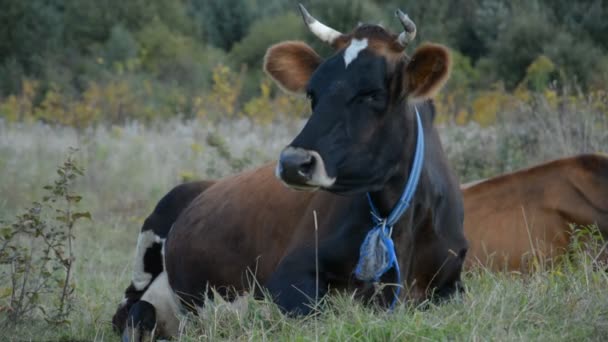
(427, 71)
(290, 64)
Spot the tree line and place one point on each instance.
(174, 45)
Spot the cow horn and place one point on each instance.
(409, 27)
(322, 31)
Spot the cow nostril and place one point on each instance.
(302, 169)
(306, 168)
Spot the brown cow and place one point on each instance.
(370, 133)
(552, 195)
(513, 218)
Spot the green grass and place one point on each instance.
(545, 306)
(129, 168)
(548, 306)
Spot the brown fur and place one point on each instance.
(290, 65)
(513, 218)
(248, 192)
(380, 41)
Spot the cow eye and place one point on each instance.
(370, 96)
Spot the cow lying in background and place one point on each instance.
(505, 217)
(512, 219)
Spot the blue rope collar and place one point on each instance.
(377, 252)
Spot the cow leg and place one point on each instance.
(148, 265)
(438, 267)
(293, 285)
(148, 261)
(141, 322)
(155, 314)
(119, 320)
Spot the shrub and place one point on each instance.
(169, 55)
(539, 74)
(121, 46)
(36, 256)
(251, 49)
(223, 22)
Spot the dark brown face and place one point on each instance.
(345, 145)
(359, 99)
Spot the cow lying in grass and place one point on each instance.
(509, 219)
(524, 217)
(369, 145)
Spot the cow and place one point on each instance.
(370, 136)
(508, 218)
(518, 219)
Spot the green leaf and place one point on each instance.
(80, 215)
(63, 219)
(5, 292)
(6, 232)
(73, 198)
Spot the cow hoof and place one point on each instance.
(141, 323)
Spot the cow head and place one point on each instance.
(361, 103)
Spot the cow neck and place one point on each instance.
(393, 200)
(377, 252)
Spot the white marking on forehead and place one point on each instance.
(353, 50)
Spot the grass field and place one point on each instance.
(129, 168)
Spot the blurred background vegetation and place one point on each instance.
(84, 62)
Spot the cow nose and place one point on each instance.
(296, 166)
(303, 169)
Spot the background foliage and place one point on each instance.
(81, 62)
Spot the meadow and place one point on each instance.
(129, 167)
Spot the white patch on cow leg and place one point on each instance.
(166, 305)
(353, 50)
(145, 240)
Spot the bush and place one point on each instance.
(251, 49)
(30, 31)
(121, 46)
(36, 256)
(223, 22)
(263, 34)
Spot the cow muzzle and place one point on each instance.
(302, 169)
